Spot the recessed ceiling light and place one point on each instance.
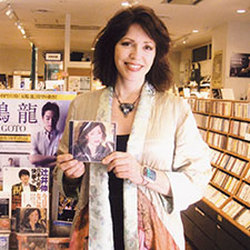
(241, 11)
(8, 12)
(125, 4)
(129, 3)
(195, 31)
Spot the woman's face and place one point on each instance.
(34, 217)
(134, 54)
(94, 137)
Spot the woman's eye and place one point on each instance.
(147, 47)
(126, 43)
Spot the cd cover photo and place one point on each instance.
(91, 141)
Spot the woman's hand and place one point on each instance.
(124, 166)
(72, 168)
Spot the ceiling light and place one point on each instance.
(241, 11)
(22, 31)
(13, 16)
(129, 3)
(8, 12)
(19, 26)
(195, 31)
(185, 40)
(125, 4)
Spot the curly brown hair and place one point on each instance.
(160, 75)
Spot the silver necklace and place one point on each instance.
(126, 107)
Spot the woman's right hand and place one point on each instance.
(71, 167)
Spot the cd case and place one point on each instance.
(91, 141)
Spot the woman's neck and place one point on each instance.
(128, 91)
(92, 149)
(33, 225)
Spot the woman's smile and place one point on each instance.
(133, 67)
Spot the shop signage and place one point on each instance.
(53, 56)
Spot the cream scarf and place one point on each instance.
(100, 222)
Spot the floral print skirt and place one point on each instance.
(153, 235)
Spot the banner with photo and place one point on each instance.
(31, 126)
(22, 118)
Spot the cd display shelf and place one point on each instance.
(221, 220)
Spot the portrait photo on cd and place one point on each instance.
(91, 141)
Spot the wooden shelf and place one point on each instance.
(222, 177)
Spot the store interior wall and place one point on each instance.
(232, 38)
(229, 38)
(19, 60)
(238, 41)
(174, 60)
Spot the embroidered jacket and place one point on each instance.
(164, 137)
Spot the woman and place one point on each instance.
(134, 198)
(90, 146)
(31, 222)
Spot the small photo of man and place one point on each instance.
(23, 186)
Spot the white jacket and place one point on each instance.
(164, 137)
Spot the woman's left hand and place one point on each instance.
(124, 166)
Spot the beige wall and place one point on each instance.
(232, 38)
(238, 41)
(18, 60)
(174, 60)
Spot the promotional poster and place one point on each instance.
(31, 126)
(25, 118)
